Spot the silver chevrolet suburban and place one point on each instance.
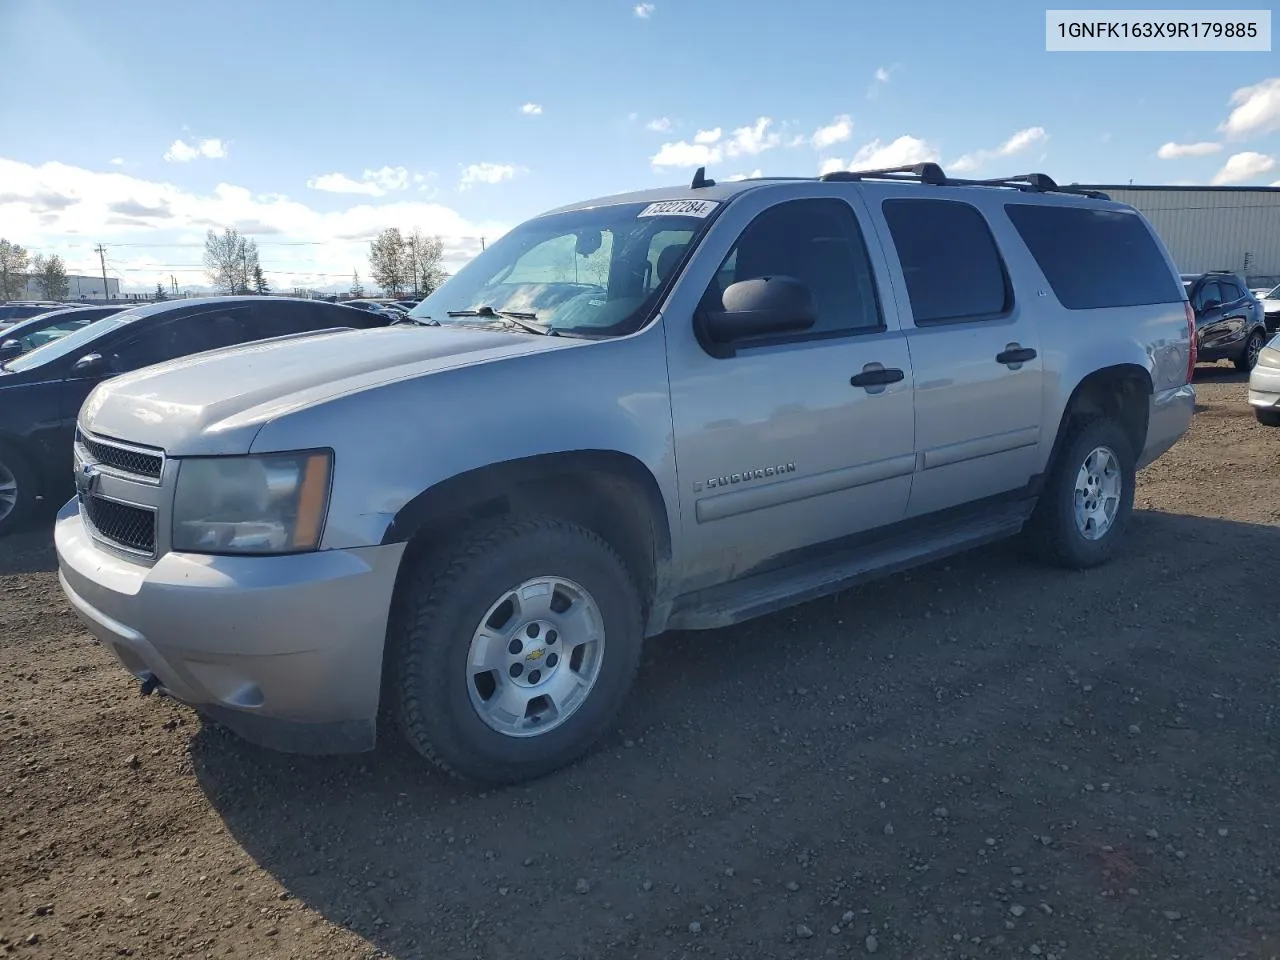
(675, 409)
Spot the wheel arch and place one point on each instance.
(1122, 391)
(609, 492)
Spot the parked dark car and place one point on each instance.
(25, 335)
(15, 310)
(41, 392)
(1230, 322)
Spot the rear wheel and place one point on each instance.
(1085, 506)
(1252, 348)
(514, 650)
(17, 489)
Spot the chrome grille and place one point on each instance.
(125, 458)
(133, 528)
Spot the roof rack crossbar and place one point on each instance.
(924, 172)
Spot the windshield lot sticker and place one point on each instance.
(679, 208)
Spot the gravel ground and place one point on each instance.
(984, 758)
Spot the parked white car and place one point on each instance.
(1264, 384)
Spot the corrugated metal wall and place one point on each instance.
(1215, 230)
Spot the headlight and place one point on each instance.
(274, 503)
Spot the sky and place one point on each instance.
(310, 127)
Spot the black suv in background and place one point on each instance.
(41, 392)
(1230, 322)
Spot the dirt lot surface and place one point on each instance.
(985, 758)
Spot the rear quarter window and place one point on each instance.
(1095, 257)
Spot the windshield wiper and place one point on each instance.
(420, 321)
(527, 321)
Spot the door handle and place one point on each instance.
(1015, 354)
(876, 378)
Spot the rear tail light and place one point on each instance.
(1193, 348)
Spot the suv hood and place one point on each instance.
(215, 402)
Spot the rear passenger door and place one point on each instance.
(975, 351)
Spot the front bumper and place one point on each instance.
(1264, 387)
(284, 651)
(1169, 418)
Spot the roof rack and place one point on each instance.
(934, 175)
(924, 172)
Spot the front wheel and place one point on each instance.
(1252, 350)
(1088, 497)
(513, 651)
(17, 489)
(1268, 418)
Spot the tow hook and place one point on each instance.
(149, 684)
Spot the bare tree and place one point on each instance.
(389, 263)
(51, 276)
(250, 268)
(14, 261)
(426, 262)
(224, 259)
(357, 288)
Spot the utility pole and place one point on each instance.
(102, 260)
(482, 244)
(413, 263)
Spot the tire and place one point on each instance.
(1248, 358)
(1268, 418)
(17, 489)
(439, 699)
(1053, 532)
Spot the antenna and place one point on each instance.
(700, 180)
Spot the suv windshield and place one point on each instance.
(76, 340)
(596, 272)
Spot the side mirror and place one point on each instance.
(10, 349)
(761, 306)
(89, 363)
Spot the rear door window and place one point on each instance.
(1095, 257)
(1209, 292)
(950, 261)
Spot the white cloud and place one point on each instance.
(180, 151)
(531, 109)
(901, 152)
(64, 209)
(374, 183)
(878, 80)
(837, 131)
(745, 176)
(709, 147)
(658, 125)
(1017, 143)
(117, 161)
(683, 154)
(488, 173)
(1176, 151)
(644, 10)
(1257, 110)
(799, 140)
(1244, 166)
(753, 139)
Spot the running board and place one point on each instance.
(764, 593)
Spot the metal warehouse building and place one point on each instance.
(1213, 228)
